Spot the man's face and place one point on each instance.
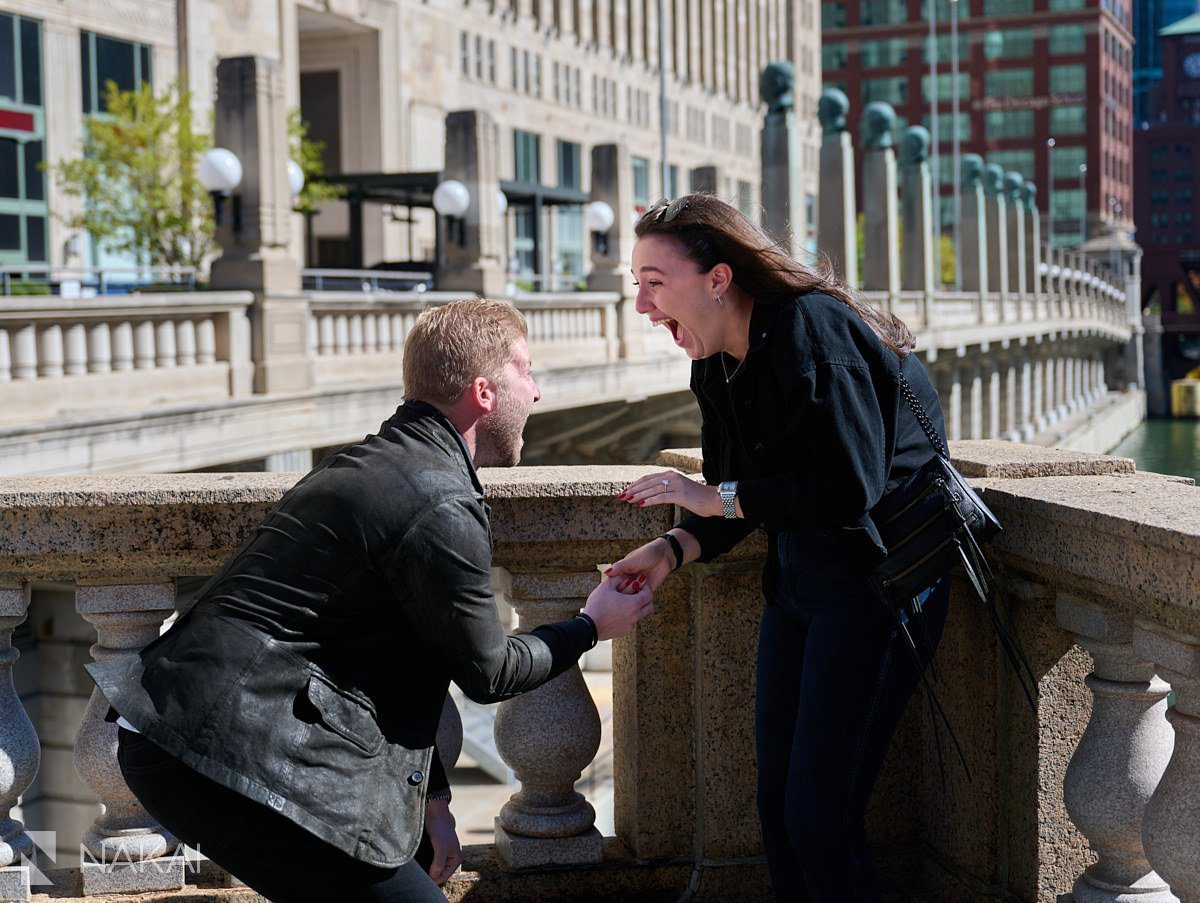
(499, 433)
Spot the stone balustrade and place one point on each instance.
(1093, 795)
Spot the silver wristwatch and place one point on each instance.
(728, 493)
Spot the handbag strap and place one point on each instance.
(922, 418)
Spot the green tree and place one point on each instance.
(136, 176)
(310, 154)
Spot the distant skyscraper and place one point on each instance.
(1150, 17)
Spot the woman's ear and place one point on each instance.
(722, 277)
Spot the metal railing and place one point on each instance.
(40, 279)
(333, 280)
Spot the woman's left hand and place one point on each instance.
(447, 851)
(670, 488)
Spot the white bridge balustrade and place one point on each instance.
(1093, 798)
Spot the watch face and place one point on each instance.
(1191, 65)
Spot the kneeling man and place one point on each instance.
(285, 725)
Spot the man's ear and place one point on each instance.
(483, 395)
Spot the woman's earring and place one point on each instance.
(720, 300)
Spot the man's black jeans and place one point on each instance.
(270, 853)
(834, 676)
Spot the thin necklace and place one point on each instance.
(725, 368)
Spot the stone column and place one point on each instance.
(129, 851)
(1037, 392)
(997, 228)
(476, 264)
(949, 389)
(1171, 826)
(973, 243)
(837, 210)
(548, 736)
(916, 270)
(782, 150)
(1005, 379)
(1024, 428)
(1033, 242)
(20, 754)
(612, 257)
(1061, 384)
(977, 395)
(881, 268)
(1013, 187)
(1120, 759)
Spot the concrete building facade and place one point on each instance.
(1029, 71)
(376, 78)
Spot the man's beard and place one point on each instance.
(498, 437)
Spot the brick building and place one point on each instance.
(1030, 70)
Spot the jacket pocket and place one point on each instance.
(345, 714)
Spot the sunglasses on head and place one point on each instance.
(664, 210)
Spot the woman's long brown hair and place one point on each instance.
(709, 231)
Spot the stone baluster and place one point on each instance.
(781, 149)
(24, 356)
(1037, 393)
(1033, 243)
(370, 336)
(164, 344)
(399, 331)
(122, 346)
(143, 345)
(1014, 185)
(974, 241)
(356, 334)
(185, 343)
(916, 270)
(129, 851)
(1024, 428)
(997, 229)
(995, 396)
(50, 357)
(100, 348)
(326, 341)
(836, 223)
(206, 341)
(5, 358)
(548, 736)
(1120, 760)
(383, 332)
(75, 360)
(341, 334)
(20, 755)
(975, 395)
(949, 389)
(881, 234)
(1171, 826)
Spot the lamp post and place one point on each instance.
(1083, 203)
(220, 172)
(935, 142)
(1050, 142)
(957, 158)
(662, 93)
(598, 218)
(451, 200)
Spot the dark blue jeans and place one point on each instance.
(270, 853)
(834, 676)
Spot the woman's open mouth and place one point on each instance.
(672, 326)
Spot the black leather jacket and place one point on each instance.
(311, 674)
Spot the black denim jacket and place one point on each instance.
(311, 673)
(811, 425)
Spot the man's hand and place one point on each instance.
(447, 852)
(615, 612)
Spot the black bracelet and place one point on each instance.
(584, 616)
(675, 547)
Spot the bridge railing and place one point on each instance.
(1096, 790)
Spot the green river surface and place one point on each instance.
(1164, 446)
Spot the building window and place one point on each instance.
(943, 10)
(23, 210)
(833, 56)
(491, 61)
(1008, 83)
(1014, 161)
(1066, 39)
(1068, 203)
(641, 182)
(745, 196)
(109, 59)
(1007, 7)
(1008, 123)
(1008, 43)
(1068, 120)
(883, 12)
(833, 15)
(1068, 79)
(885, 52)
(464, 53)
(672, 190)
(569, 175)
(945, 123)
(890, 90)
(1066, 162)
(527, 157)
(945, 86)
(945, 48)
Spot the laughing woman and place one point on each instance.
(803, 432)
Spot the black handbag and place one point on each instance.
(933, 524)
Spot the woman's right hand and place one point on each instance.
(655, 559)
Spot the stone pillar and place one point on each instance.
(1033, 242)
(782, 150)
(1061, 384)
(251, 120)
(129, 851)
(548, 736)
(1050, 410)
(881, 269)
(612, 183)
(997, 228)
(20, 754)
(1014, 185)
(1024, 429)
(837, 210)
(1171, 826)
(916, 270)
(949, 389)
(977, 395)
(973, 243)
(296, 461)
(1120, 759)
(476, 264)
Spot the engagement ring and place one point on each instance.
(666, 484)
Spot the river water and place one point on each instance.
(1164, 446)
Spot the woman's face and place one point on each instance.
(674, 292)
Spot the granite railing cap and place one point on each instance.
(1014, 461)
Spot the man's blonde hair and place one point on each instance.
(450, 345)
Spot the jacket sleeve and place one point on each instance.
(439, 783)
(716, 535)
(441, 575)
(842, 427)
